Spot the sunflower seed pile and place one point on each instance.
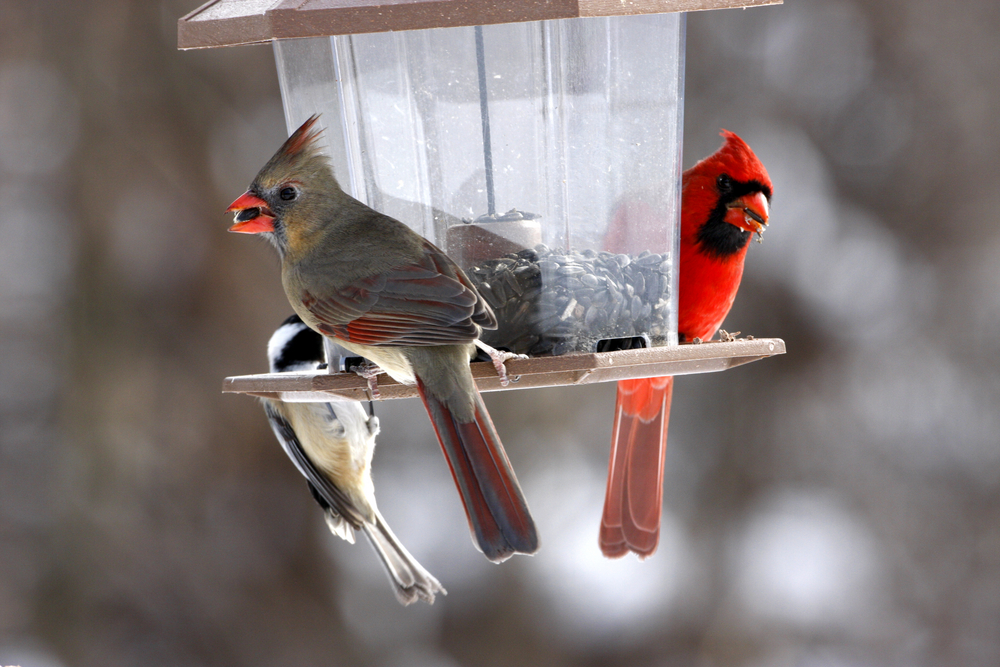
(550, 302)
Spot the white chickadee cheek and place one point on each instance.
(373, 426)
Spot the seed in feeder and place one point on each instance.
(570, 270)
(513, 283)
(569, 309)
(486, 292)
(648, 260)
(525, 271)
(638, 283)
(592, 314)
(652, 292)
(616, 310)
(635, 306)
(522, 310)
(550, 302)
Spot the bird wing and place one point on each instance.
(326, 493)
(428, 302)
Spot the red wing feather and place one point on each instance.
(430, 302)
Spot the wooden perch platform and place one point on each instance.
(568, 369)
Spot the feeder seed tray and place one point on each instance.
(567, 369)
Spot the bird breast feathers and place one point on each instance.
(339, 443)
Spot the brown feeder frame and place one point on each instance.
(237, 22)
(566, 369)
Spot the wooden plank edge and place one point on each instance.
(572, 369)
(284, 20)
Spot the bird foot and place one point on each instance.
(498, 358)
(370, 372)
(727, 337)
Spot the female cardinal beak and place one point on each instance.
(749, 212)
(252, 215)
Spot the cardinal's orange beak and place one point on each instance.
(252, 215)
(749, 212)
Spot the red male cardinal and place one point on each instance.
(387, 294)
(724, 201)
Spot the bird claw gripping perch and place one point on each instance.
(727, 337)
(498, 358)
(370, 372)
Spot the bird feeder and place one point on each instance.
(538, 143)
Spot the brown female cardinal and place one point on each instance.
(387, 294)
(724, 201)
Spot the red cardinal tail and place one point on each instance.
(497, 512)
(632, 503)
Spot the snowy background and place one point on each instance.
(838, 506)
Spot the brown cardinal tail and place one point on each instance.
(497, 512)
(632, 503)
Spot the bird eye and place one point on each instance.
(724, 182)
(288, 194)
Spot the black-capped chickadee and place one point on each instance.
(331, 443)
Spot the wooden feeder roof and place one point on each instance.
(236, 22)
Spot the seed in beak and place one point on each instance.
(247, 214)
(755, 216)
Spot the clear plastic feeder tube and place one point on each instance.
(544, 157)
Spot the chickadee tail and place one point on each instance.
(338, 525)
(410, 581)
(632, 503)
(494, 505)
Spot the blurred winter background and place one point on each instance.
(838, 506)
